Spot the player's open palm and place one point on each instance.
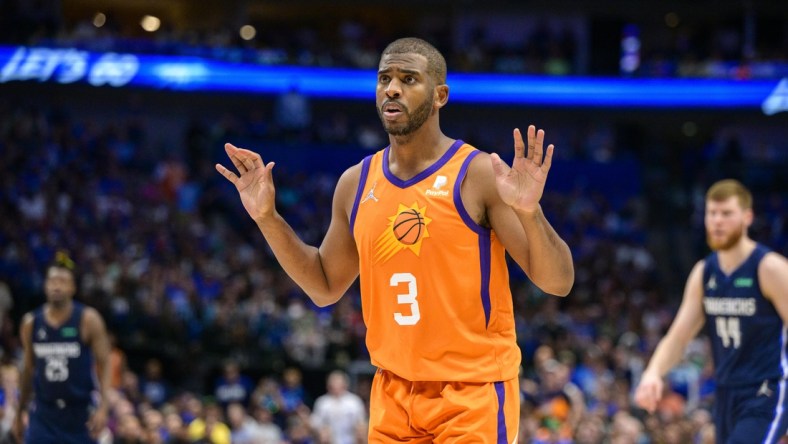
(522, 185)
(254, 182)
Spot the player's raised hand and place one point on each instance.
(649, 392)
(522, 185)
(254, 182)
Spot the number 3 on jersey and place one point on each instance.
(406, 298)
(729, 331)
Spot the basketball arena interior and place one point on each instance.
(113, 114)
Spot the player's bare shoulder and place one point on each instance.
(91, 324)
(27, 318)
(352, 174)
(696, 274)
(478, 188)
(26, 324)
(773, 275)
(773, 263)
(347, 187)
(694, 287)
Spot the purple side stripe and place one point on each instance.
(501, 391)
(484, 237)
(484, 256)
(458, 197)
(362, 181)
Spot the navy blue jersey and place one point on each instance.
(748, 336)
(63, 362)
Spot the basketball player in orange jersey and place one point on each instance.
(426, 222)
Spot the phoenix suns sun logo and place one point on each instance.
(406, 230)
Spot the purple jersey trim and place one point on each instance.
(501, 391)
(362, 181)
(422, 175)
(485, 241)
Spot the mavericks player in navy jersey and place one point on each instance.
(740, 292)
(64, 341)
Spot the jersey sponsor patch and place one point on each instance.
(743, 282)
(437, 187)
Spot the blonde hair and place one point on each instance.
(727, 188)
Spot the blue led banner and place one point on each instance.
(69, 65)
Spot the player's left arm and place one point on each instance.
(97, 338)
(512, 206)
(773, 276)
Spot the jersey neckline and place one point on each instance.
(422, 175)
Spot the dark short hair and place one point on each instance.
(436, 64)
(63, 261)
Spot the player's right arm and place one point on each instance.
(773, 276)
(324, 273)
(669, 351)
(26, 378)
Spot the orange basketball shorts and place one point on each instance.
(443, 412)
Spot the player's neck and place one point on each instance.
(731, 258)
(56, 313)
(410, 155)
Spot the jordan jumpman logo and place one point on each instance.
(371, 194)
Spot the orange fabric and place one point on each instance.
(442, 412)
(422, 300)
(117, 365)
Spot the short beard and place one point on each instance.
(59, 304)
(415, 120)
(728, 243)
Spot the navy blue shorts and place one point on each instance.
(751, 414)
(52, 425)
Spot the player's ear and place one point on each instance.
(748, 217)
(441, 95)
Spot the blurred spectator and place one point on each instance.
(590, 430)
(233, 386)
(242, 426)
(293, 114)
(626, 429)
(265, 430)
(176, 430)
(153, 424)
(209, 428)
(559, 404)
(292, 391)
(267, 396)
(299, 431)
(154, 387)
(129, 430)
(9, 391)
(339, 416)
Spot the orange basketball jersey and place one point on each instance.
(434, 284)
